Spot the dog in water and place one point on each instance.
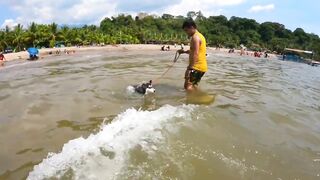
(144, 88)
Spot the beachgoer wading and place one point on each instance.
(2, 59)
(197, 56)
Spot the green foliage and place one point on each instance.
(218, 30)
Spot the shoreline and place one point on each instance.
(43, 53)
(24, 55)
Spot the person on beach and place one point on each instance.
(197, 56)
(2, 59)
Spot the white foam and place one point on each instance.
(130, 90)
(102, 155)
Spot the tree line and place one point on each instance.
(166, 29)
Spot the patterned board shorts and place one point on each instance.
(195, 76)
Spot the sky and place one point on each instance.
(292, 13)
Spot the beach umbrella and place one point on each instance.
(33, 51)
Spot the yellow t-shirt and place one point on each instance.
(201, 64)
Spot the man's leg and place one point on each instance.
(188, 85)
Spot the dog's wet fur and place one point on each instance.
(144, 88)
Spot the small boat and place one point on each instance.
(298, 55)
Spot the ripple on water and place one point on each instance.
(264, 123)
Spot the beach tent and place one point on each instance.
(33, 53)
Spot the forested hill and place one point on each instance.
(144, 28)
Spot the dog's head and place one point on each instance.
(149, 88)
(145, 88)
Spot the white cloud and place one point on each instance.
(208, 7)
(92, 11)
(10, 23)
(260, 8)
(62, 12)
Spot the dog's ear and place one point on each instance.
(150, 81)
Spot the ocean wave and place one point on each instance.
(103, 155)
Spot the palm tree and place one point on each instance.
(54, 34)
(32, 35)
(19, 38)
(3, 43)
(65, 33)
(42, 36)
(74, 37)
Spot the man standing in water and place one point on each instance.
(197, 56)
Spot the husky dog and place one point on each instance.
(144, 88)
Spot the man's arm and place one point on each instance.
(181, 51)
(196, 45)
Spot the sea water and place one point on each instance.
(72, 117)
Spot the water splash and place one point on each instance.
(104, 154)
(130, 90)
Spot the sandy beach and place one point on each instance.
(23, 55)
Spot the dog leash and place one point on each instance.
(176, 57)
